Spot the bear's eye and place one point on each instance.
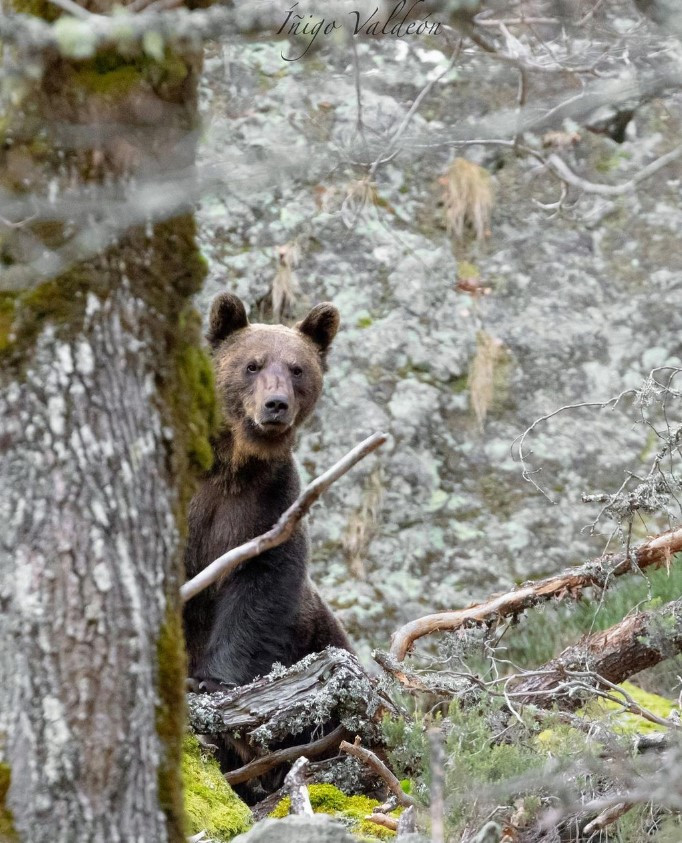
(252, 367)
(296, 371)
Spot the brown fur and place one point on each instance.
(268, 378)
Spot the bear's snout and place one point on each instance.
(276, 410)
(274, 397)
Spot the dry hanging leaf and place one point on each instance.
(358, 534)
(285, 284)
(468, 198)
(482, 374)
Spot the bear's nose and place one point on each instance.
(277, 404)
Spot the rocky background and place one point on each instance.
(546, 309)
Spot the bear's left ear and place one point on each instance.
(227, 315)
(321, 325)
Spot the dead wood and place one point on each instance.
(260, 766)
(286, 525)
(604, 659)
(295, 785)
(407, 823)
(324, 688)
(383, 820)
(377, 765)
(607, 817)
(655, 552)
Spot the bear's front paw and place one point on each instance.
(201, 685)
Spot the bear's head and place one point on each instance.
(268, 377)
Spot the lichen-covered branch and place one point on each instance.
(570, 583)
(377, 765)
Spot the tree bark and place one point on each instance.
(106, 403)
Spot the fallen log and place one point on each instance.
(655, 552)
(603, 659)
(328, 689)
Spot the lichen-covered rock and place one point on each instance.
(210, 803)
(578, 301)
(296, 829)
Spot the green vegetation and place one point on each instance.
(351, 810)
(547, 630)
(7, 832)
(210, 803)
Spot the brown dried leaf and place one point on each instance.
(468, 198)
(481, 374)
(285, 284)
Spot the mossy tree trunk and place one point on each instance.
(105, 407)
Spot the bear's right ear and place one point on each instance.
(227, 315)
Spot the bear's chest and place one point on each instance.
(221, 519)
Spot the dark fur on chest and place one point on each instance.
(268, 611)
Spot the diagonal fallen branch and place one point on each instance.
(655, 552)
(599, 662)
(260, 766)
(377, 765)
(286, 525)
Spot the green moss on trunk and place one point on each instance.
(170, 717)
(7, 832)
(157, 269)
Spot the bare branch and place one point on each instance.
(607, 817)
(371, 760)
(383, 820)
(656, 551)
(565, 173)
(230, 561)
(260, 766)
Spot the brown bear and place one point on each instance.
(268, 380)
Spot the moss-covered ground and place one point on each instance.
(210, 803)
(350, 810)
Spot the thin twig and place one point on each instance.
(72, 8)
(230, 561)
